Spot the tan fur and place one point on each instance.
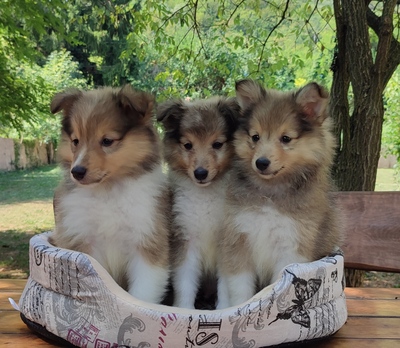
(154, 249)
(93, 116)
(109, 133)
(296, 181)
(201, 125)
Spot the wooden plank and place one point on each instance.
(24, 340)
(370, 328)
(353, 343)
(357, 332)
(11, 323)
(12, 284)
(5, 303)
(31, 340)
(373, 293)
(372, 230)
(374, 308)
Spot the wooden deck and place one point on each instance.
(374, 320)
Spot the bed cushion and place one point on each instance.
(70, 297)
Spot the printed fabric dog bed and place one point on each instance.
(70, 297)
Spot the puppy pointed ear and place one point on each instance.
(230, 110)
(64, 100)
(313, 100)
(170, 114)
(248, 93)
(137, 104)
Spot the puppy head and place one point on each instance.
(283, 134)
(198, 137)
(106, 133)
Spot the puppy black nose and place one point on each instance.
(78, 172)
(200, 173)
(262, 163)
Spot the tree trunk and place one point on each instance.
(359, 116)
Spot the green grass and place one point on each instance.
(26, 209)
(387, 180)
(29, 185)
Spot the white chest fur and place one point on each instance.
(199, 214)
(113, 220)
(273, 239)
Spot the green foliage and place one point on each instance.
(22, 24)
(391, 125)
(171, 48)
(101, 31)
(201, 48)
(58, 73)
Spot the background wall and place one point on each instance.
(16, 155)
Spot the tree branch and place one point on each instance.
(307, 21)
(270, 33)
(196, 28)
(183, 38)
(234, 11)
(385, 35)
(340, 86)
(393, 62)
(171, 16)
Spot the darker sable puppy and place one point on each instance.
(278, 210)
(198, 149)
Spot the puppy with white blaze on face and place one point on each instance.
(198, 150)
(278, 207)
(113, 201)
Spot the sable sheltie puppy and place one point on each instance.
(198, 150)
(278, 210)
(112, 202)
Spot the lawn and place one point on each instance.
(386, 180)
(26, 208)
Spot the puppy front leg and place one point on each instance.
(223, 293)
(186, 280)
(236, 283)
(241, 287)
(146, 281)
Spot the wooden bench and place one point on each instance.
(372, 230)
(372, 243)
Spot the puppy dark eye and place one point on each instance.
(255, 138)
(107, 142)
(217, 145)
(188, 146)
(285, 139)
(75, 142)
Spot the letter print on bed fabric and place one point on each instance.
(249, 316)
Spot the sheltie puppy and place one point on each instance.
(113, 201)
(278, 210)
(198, 150)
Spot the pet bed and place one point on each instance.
(70, 298)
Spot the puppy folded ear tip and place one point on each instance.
(313, 99)
(168, 108)
(316, 87)
(135, 101)
(54, 109)
(249, 92)
(64, 100)
(240, 82)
